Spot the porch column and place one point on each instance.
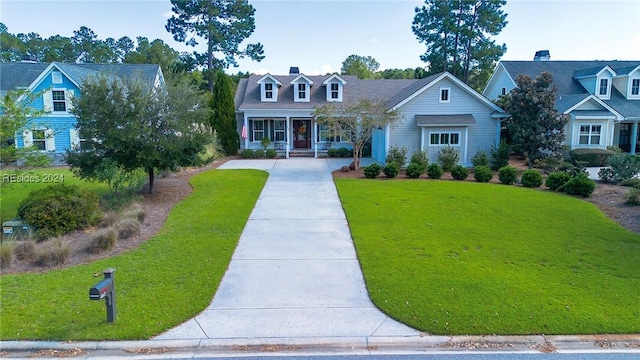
(245, 124)
(634, 137)
(314, 138)
(288, 126)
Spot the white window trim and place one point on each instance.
(442, 90)
(598, 86)
(297, 91)
(49, 139)
(440, 133)
(631, 94)
(274, 92)
(254, 131)
(503, 91)
(276, 131)
(329, 91)
(591, 134)
(56, 77)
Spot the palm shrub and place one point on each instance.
(500, 155)
(420, 157)
(59, 209)
(633, 197)
(531, 178)
(480, 159)
(580, 185)
(508, 175)
(448, 157)
(397, 155)
(482, 173)
(372, 171)
(557, 180)
(459, 172)
(435, 171)
(391, 170)
(414, 170)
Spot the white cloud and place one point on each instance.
(260, 71)
(167, 14)
(374, 40)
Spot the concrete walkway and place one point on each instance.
(295, 273)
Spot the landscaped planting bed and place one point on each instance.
(471, 258)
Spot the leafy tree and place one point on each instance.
(135, 126)
(356, 122)
(535, 125)
(59, 48)
(456, 33)
(155, 52)
(364, 67)
(223, 115)
(223, 24)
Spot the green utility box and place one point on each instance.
(15, 228)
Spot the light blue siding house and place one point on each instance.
(436, 111)
(54, 132)
(601, 98)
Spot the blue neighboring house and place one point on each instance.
(601, 98)
(58, 83)
(436, 111)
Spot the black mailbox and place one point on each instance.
(106, 290)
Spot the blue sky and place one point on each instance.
(318, 35)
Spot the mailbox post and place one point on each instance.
(106, 289)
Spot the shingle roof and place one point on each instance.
(18, 75)
(437, 120)
(570, 91)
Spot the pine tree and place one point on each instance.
(223, 115)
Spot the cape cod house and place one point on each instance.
(437, 111)
(58, 83)
(602, 98)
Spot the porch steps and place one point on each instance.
(301, 154)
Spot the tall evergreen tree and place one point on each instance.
(223, 24)
(456, 33)
(223, 115)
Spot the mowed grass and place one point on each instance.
(19, 188)
(468, 258)
(169, 279)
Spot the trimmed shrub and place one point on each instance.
(6, 253)
(391, 170)
(556, 180)
(372, 171)
(25, 250)
(633, 197)
(499, 156)
(271, 153)
(591, 157)
(103, 239)
(397, 155)
(54, 252)
(480, 159)
(128, 228)
(633, 183)
(448, 157)
(624, 166)
(332, 152)
(580, 185)
(344, 152)
(420, 158)
(531, 178)
(459, 172)
(435, 171)
(508, 175)
(482, 173)
(59, 209)
(259, 154)
(414, 170)
(248, 154)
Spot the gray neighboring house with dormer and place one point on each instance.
(602, 98)
(436, 111)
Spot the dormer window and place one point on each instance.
(635, 87)
(604, 87)
(268, 90)
(302, 91)
(334, 85)
(334, 91)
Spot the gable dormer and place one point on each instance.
(301, 88)
(335, 87)
(597, 81)
(269, 88)
(627, 82)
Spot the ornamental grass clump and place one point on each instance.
(435, 171)
(135, 211)
(508, 175)
(54, 252)
(103, 239)
(482, 173)
(633, 197)
(128, 228)
(6, 253)
(25, 250)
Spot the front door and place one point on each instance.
(302, 134)
(624, 142)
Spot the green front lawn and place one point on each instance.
(20, 185)
(467, 258)
(166, 281)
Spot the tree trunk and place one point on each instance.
(457, 38)
(151, 180)
(467, 59)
